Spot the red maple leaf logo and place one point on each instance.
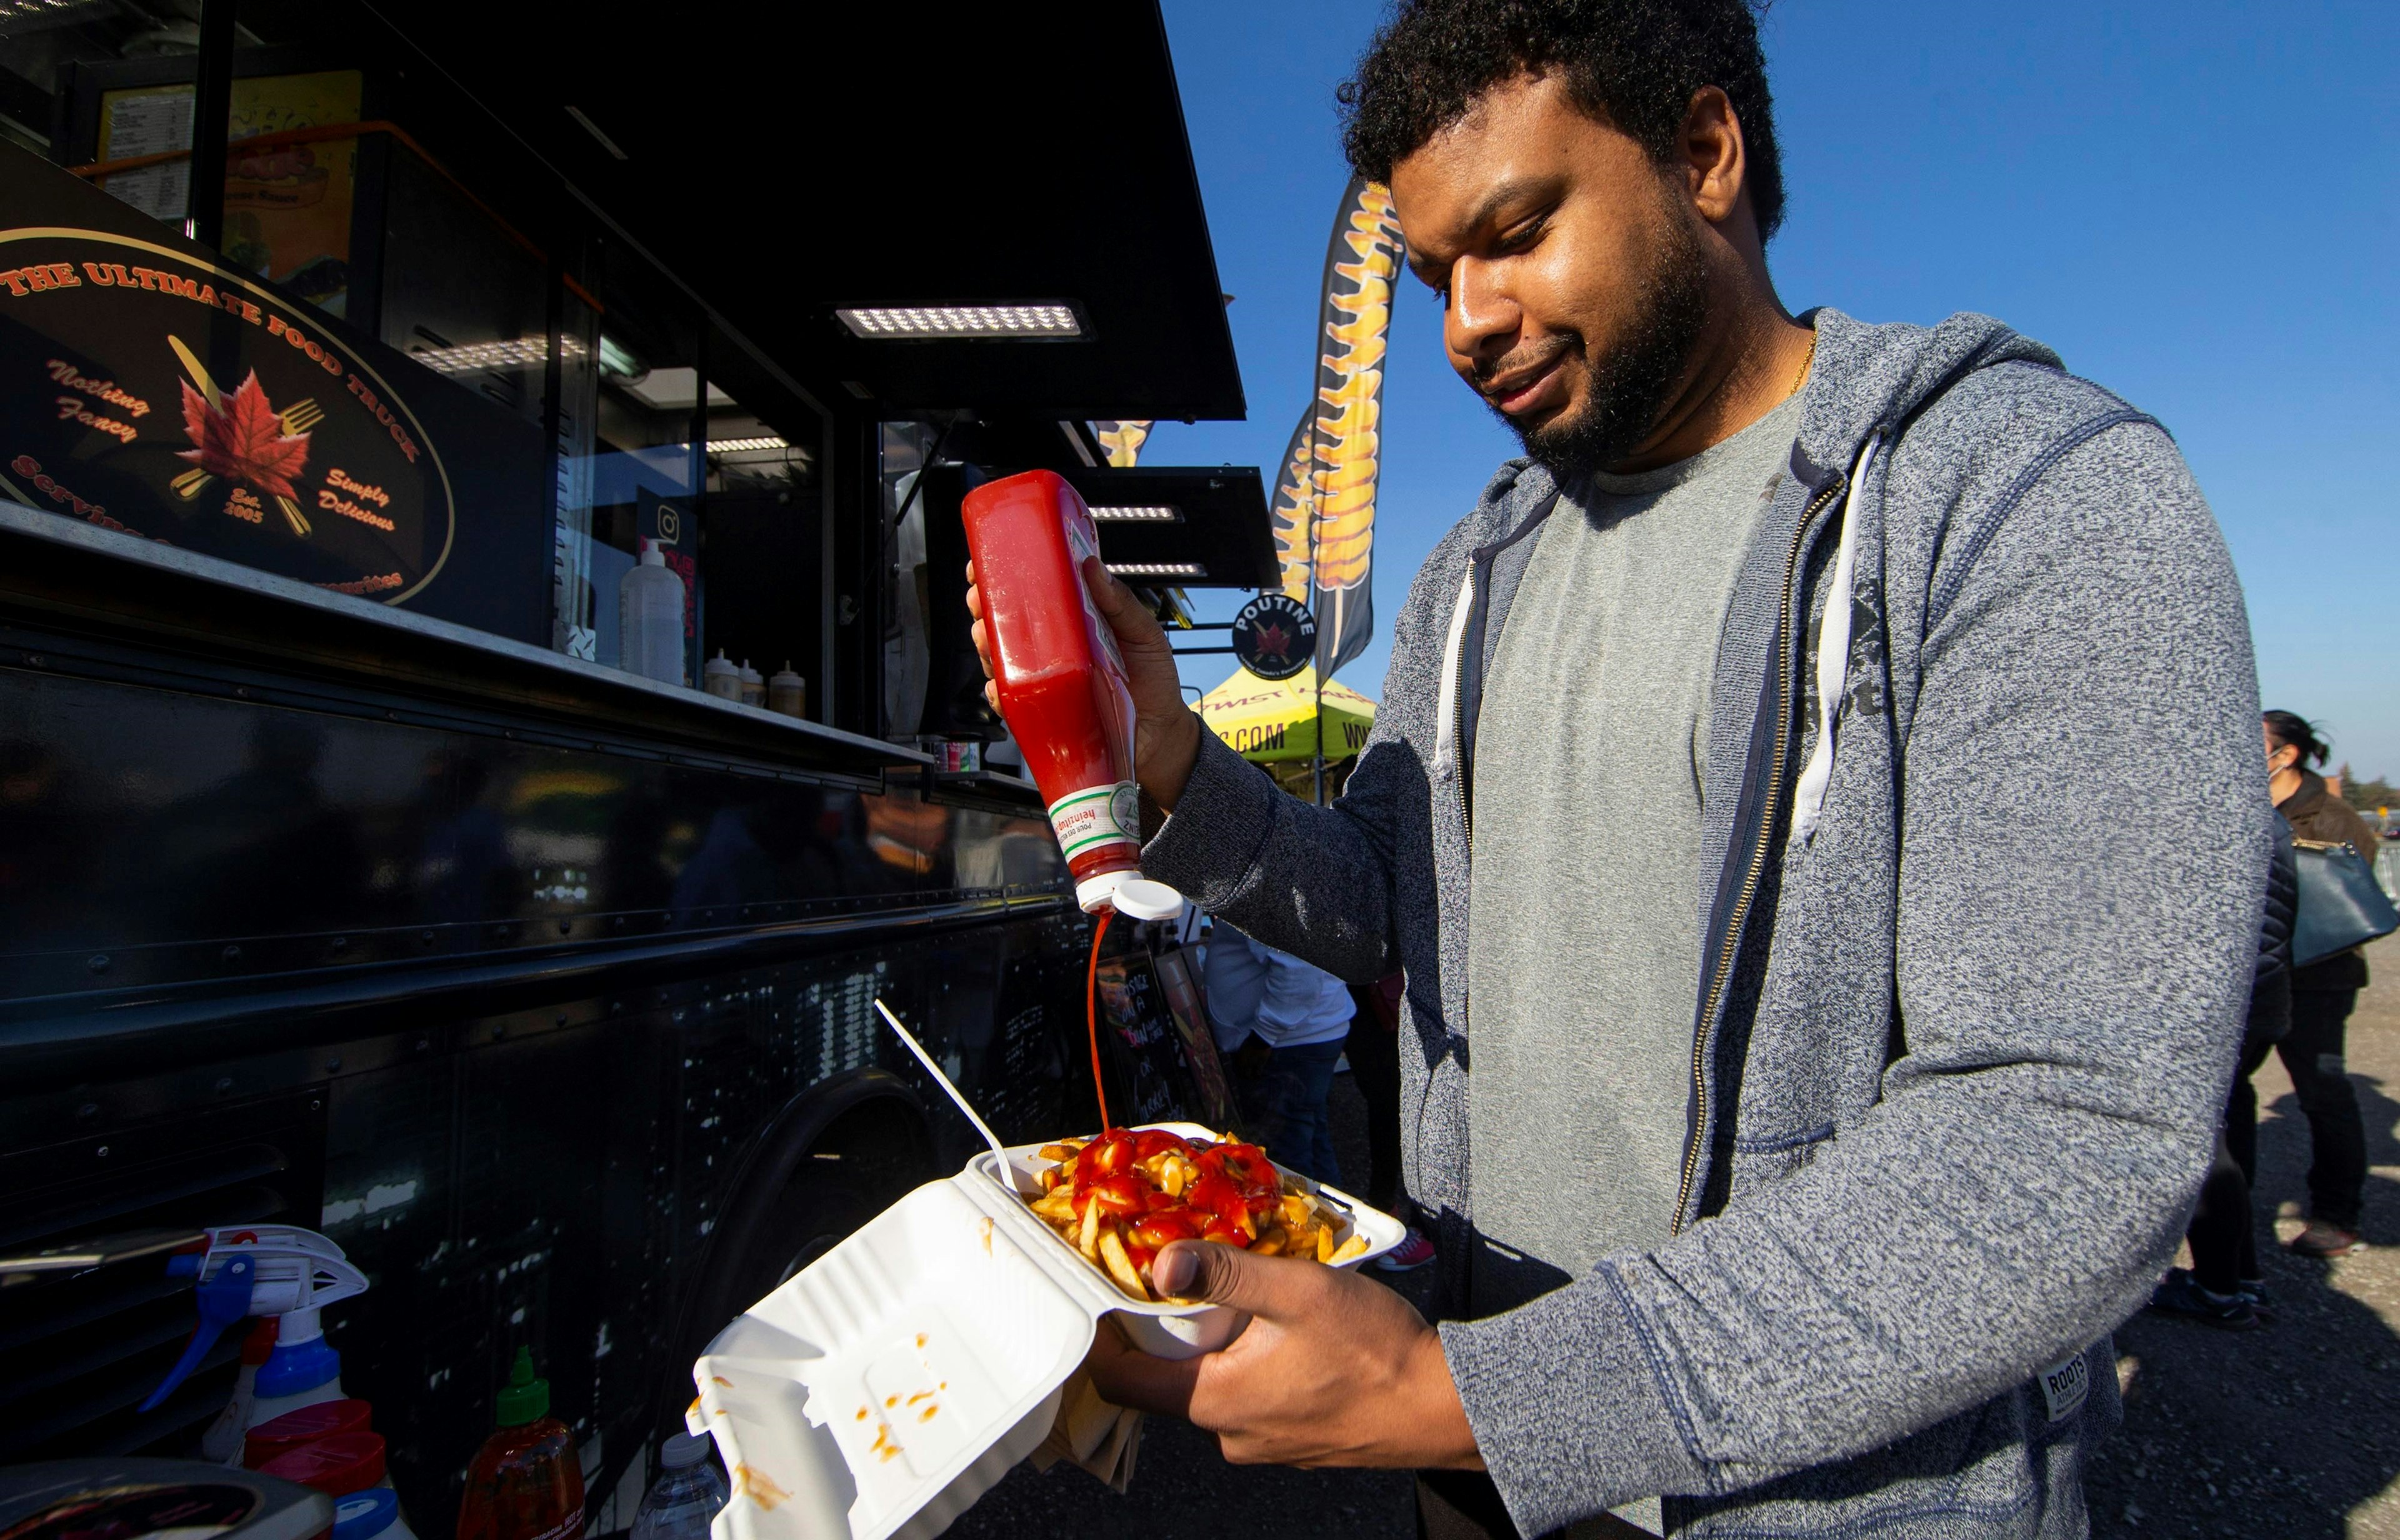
(1274, 641)
(243, 439)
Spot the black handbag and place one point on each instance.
(2341, 904)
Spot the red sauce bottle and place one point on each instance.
(1062, 680)
(526, 1482)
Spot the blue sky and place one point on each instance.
(2193, 202)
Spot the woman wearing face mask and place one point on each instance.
(2323, 994)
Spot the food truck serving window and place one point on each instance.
(386, 353)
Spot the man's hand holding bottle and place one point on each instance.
(1167, 732)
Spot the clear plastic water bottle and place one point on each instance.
(685, 1497)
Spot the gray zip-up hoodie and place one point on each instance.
(1958, 1046)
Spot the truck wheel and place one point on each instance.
(814, 1213)
(817, 1208)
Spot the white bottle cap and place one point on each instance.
(653, 556)
(1130, 894)
(684, 1448)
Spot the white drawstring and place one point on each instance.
(1832, 660)
(1445, 749)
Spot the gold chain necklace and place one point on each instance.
(1802, 377)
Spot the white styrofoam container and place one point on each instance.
(1171, 1330)
(955, 1299)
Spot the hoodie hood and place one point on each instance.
(1869, 378)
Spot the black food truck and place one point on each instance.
(352, 361)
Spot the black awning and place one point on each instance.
(1158, 525)
(784, 161)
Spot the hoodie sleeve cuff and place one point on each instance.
(1208, 847)
(1567, 1408)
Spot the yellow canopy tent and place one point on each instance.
(1271, 720)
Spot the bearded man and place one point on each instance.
(1820, 1019)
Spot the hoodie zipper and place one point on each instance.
(1732, 943)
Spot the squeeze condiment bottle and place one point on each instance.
(787, 692)
(1062, 680)
(719, 676)
(526, 1482)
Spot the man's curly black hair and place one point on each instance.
(1632, 65)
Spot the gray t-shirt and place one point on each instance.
(1584, 933)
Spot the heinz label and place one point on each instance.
(1102, 815)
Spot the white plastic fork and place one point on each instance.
(998, 1151)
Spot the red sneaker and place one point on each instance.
(2321, 1239)
(1412, 1252)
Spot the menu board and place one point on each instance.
(1145, 1052)
(1174, 968)
(1162, 1061)
(146, 388)
(287, 203)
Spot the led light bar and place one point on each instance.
(1139, 514)
(615, 360)
(957, 321)
(515, 353)
(744, 446)
(1158, 569)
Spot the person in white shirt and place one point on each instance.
(1284, 1022)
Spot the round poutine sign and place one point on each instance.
(151, 391)
(1274, 636)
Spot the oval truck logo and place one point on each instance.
(145, 390)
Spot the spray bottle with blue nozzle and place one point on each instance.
(268, 1269)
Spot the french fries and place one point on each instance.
(1121, 1196)
(1120, 1267)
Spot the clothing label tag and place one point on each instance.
(1103, 815)
(2063, 1385)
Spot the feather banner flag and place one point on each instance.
(1120, 441)
(1324, 506)
(1293, 509)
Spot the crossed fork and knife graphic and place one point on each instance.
(298, 417)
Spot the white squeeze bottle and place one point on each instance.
(687, 1495)
(720, 678)
(649, 602)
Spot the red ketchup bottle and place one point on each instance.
(1062, 681)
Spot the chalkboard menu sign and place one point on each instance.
(149, 387)
(1177, 983)
(1163, 1063)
